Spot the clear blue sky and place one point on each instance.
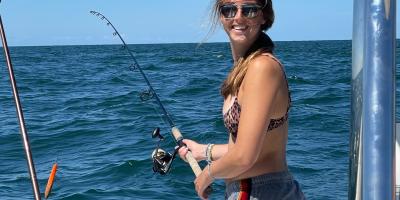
(68, 22)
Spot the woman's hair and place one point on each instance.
(263, 44)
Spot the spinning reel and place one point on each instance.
(162, 160)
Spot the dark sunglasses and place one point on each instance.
(248, 10)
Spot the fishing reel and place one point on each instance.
(162, 160)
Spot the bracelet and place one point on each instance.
(206, 152)
(209, 152)
(209, 172)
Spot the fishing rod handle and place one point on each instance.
(189, 157)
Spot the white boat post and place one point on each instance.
(372, 142)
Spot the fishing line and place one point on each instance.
(159, 114)
(158, 156)
(150, 93)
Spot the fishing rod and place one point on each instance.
(161, 160)
(20, 114)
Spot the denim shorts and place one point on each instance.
(270, 186)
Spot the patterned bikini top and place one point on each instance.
(232, 116)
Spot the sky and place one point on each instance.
(68, 22)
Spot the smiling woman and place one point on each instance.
(255, 111)
(80, 101)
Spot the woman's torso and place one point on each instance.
(273, 154)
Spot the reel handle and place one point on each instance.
(189, 157)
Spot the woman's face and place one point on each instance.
(241, 20)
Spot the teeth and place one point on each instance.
(239, 27)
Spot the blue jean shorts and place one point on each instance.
(270, 186)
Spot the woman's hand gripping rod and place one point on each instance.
(189, 157)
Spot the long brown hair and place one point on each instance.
(235, 78)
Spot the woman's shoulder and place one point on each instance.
(262, 72)
(266, 64)
(273, 57)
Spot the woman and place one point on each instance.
(255, 111)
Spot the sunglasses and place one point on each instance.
(248, 10)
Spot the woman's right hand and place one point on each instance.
(198, 150)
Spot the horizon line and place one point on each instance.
(51, 45)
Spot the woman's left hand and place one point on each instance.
(202, 182)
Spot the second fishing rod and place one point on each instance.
(163, 160)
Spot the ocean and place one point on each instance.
(82, 110)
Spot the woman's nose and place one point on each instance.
(238, 14)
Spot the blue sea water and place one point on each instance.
(82, 110)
